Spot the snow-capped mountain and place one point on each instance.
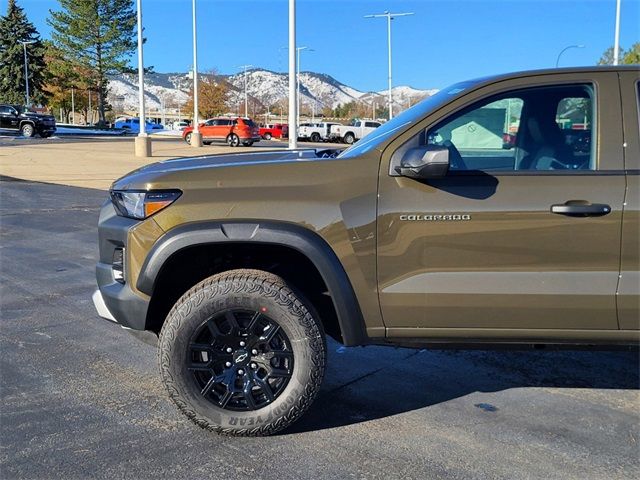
(263, 86)
(159, 88)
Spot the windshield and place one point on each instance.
(406, 118)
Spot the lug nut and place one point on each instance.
(254, 366)
(240, 372)
(254, 352)
(242, 344)
(228, 364)
(229, 349)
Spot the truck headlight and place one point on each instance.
(142, 204)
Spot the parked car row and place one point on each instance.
(327, 131)
(235, 131)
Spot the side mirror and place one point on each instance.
(431, 161)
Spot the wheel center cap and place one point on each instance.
(240, 356)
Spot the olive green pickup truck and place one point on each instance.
(499, 211)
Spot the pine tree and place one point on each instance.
(15, 28)
(98, 37)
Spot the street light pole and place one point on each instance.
(389, 17)
(142, 141)
(196, 137)
(616, 40)
(564, 50)
(73, 106)
(293, 98)
(298, 50)
(26, 69)
(246, 98)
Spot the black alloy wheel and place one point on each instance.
(241, 353)
(240, 360)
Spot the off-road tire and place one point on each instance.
(27, 130)
(244, 289)
(315, 137)
(349, 138)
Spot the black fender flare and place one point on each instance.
(305, 241)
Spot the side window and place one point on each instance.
(371, 124)
(210, 123)
(545, 128)
(6, 111)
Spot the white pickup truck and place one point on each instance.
(316, 132)
(354, 131)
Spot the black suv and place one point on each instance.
(28, 123)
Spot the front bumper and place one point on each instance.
(115, 300)
(145, 336)
(101, 307)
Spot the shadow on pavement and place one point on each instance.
(364, 384)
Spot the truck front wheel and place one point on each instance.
(349, 138)
(241, 354)
(315, 137)
(27, 130)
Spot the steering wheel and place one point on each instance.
(455, 159)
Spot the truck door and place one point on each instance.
(629, 287)
(516, 236)
(8, 117)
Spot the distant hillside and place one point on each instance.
(263, 86)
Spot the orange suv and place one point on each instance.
(231, 130)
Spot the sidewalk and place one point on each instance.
(94, 162)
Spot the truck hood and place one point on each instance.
(147, 174)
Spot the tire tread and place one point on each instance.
(245, 281)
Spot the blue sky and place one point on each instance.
(444, 42)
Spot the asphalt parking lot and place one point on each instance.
(81, 398)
